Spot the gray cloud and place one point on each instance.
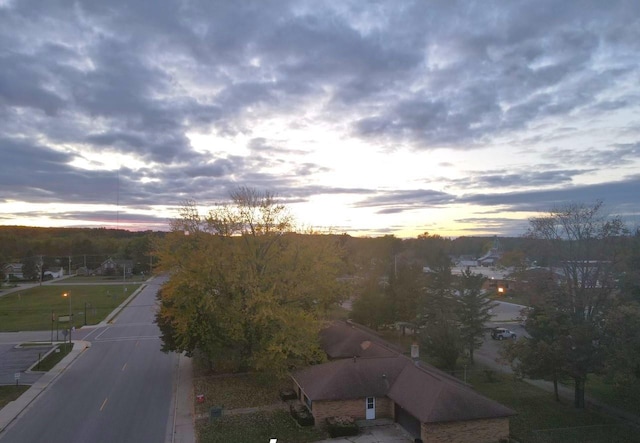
(391, 202)
(86, 78)
(620, 196)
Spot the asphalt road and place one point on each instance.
(119, 390)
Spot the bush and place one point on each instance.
(288, 394)
(301, 414)
(342, 426)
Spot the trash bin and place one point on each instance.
(200, 398)
(215, 412)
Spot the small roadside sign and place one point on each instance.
(16, 376)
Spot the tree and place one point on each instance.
(622, 346)
(31, 266)
(540, 356)
(583, 245)
(442, 340)
(473, 310)
(440, 335)
(371, 308)
(630, 277)
(404, 290)
(244, 287)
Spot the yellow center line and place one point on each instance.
(104, 403)
(125, 365)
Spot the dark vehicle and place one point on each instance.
(502, 333)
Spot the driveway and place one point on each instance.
(386, 432)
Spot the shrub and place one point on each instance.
(302, 415)
(288, 394)
(342, 426)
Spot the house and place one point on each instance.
(53, 273)
(493, 256)
(13, 271)
(115, 267)
(427, 402)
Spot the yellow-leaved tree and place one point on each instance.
(245, 288)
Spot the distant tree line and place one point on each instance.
(42, 249)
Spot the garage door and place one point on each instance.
(407, 421)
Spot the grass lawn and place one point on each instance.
(97, 279)
(257, 427)
(538, 413)
(10, 393)
(237, 391)
(31, 309)
(514, 297)
(627, 398)
(47, 363)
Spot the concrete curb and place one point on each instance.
(117, 310)
(11, 411)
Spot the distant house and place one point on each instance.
(115, 267)
(13, 271)
(53, 273)
(379, 382)
(491, 258)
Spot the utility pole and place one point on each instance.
(40, 266)
(68, 295)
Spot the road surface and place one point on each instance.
(119, 390)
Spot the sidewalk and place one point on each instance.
(183, 414)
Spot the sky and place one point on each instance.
(363, 117)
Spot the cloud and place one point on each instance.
(390, 202)
(121, 84)
(505, 179)
(617, 195)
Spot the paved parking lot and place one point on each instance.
(14, 360)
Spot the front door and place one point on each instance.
(371, 408)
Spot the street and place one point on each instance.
(119, 390)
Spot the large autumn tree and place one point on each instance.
(245, 287)
(582, 244)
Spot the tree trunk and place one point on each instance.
(579, 392)
(555, 388)
(471, 354)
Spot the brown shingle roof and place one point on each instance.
(427, 394)
(346, 340)
(431, 397)
(349, 378)
(381, 370)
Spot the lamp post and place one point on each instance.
(68, 295)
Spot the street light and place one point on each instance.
(68, 295)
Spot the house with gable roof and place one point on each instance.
(378, 381)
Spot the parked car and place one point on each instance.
(502, 333)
